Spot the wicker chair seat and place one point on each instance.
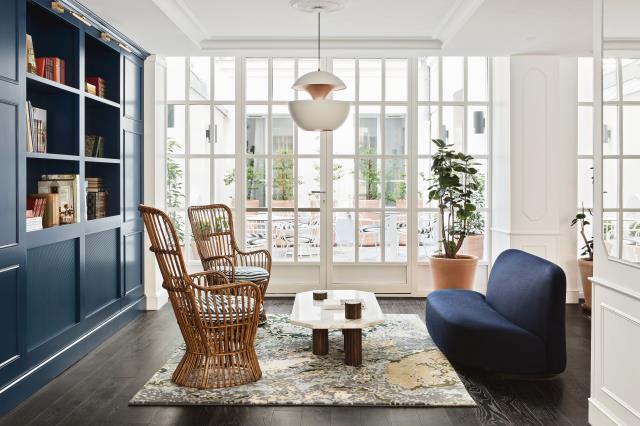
(247, 273)
(228, 309)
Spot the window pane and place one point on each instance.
(343, 187)
(256, 129)
(427, 228)
(283, 240)
(370, 80)
(344, 137)
(257, 79)
(396, 79)
(305, 66)
(175, 182)
(224, 131)
(585, 130)
(609, 79)
(585, 79)
(369, 183)
(308, 180)
(609, 183)
(179, 222)
(395, 237)
(428, 78)
(283, 182)
(308, 142)
(283, 79)
(199, 78)
(224, 181)
(395, 128)
(176, 81)
(176, 130)
(631, 129)
(477, 78)
(199, 119)
(225, 78)
(369, 237)
(345, 69)
(480, 197)
(585, 183)
(453, 125)
(199, 181)
(424, 174)
(395, 185)
(452, 78)
(611, 136)
(631, 184)
(630, 79)
(309, 237)
(610, 232)
(477, 130)
(427, 128)
(256, 182)
(256, 229)
(369, 130)
(281, 131)
(344, 244)
(631, 237)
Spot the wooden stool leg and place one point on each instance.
(320, 342)
(353, 347)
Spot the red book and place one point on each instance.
(98, 82)
(40, 66)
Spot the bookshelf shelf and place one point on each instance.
(102, 160)
(53, 235)
(33, 79)
(93, 98)
(49, 156)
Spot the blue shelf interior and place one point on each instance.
(110, 174)
(102, 61)
(103, 120)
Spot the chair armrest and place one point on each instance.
(208, 279)
(260, 258)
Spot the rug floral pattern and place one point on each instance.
(401, 367)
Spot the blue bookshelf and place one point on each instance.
(65, 289)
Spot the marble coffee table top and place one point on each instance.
(309, 313)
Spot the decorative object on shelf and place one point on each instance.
(99, 85)
(96, 198)
(353, 309)
(454, 185)
(90, 88)
(35, 211)
(36, 129)
(319, 295)
(67, 188)
(31, 55)
(51, 68)
(94, 146)
(319, 113)
(585, 263)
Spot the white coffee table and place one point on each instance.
(310, 313)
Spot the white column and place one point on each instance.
(534, 159)
(155, 127)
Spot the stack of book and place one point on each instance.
(94, 146)
(35, 211)
(51, 68)
(96, 198)
(36, 129)
(31, 56)
(96, 85)
(67, 188)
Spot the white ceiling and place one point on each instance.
(170, 27)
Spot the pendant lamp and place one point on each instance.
(318, 113)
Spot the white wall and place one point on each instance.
(534, 159)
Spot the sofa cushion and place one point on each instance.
(471, 333)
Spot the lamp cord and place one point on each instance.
(318, 41)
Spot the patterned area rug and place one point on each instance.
(401, 367)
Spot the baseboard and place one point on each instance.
(156, 301)
(600, 416)
(33, 379)
(573, 296)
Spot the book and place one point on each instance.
(51, 214)
(99, 84)
(51, 68)
(34, 223)
(31, 55)
(38, 129)
(94, 146)
(90, 88)
(29, 139)
(96, 195)
(68, 193)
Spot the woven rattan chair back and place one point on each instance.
(212, 228)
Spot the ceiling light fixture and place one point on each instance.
(319, 113)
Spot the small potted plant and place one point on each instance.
(585, 263)
(453, 188)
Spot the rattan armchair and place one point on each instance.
(212, 228)
(218, 320)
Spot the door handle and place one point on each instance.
(318, 192)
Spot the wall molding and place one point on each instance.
(180, 14)
(456, 18)
(541, 233)
(615, 287)
(599, 415)
(328, 43)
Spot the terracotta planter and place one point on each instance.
(474, 245)
(453, 273)
(586, 271)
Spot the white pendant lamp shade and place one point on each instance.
(319, 114)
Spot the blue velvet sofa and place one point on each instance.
(518, 328)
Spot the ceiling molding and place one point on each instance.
(180, 14)
(329, 43)
(455, 19)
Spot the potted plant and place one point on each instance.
(474, 241)
(255, 182)
(585, 263)
(454, 184)
(283, 179)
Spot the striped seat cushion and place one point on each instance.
(229, 308)
(248, 273)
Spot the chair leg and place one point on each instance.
(217, 371)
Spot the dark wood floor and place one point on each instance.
(97, 389)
